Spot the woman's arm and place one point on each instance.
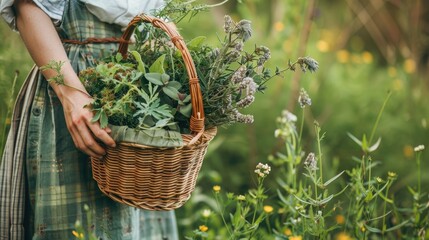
(44, 45)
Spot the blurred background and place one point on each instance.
(365, 48)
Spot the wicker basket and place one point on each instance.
(150, 177)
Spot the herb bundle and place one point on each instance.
(149, 89)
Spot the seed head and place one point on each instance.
(304, 99)
(311, 162)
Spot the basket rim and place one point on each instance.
(188, 140)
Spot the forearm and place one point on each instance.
(44, 45)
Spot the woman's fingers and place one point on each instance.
(89, 140)
(81, 144)
(88, 136)
(101, 134)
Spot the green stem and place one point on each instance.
(315, 185)
(319, 152)
(369, 172)
(217, 4)
(301, 129)
(379, 117)
(75, 88)
(268, 225)
(419, 176)
(384, 209)
(363, 168)
(260, 181)
(221, 213)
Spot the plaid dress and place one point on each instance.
(46, 184)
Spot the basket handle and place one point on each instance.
(197, 118)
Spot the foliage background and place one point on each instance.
(364, 48)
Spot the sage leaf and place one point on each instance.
(103, 120)
(138, 57)
(158, 65)
(118, 57)
(171, 92)
(196, 43)
(154, 78)
(175, 84)
(186, 110)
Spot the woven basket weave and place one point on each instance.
(150, 177)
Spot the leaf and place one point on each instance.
(325, 200)
(103, 120)
(372, 229)
(332, 179)
(186, 110)
(97, 115)
(118, 57)
(355, 139)
(135, 76)
(175, 84)
(303, 201)
(171, 92)
(154, 78)
(118, 88)
(375, 146)
(386, 198)
(397, 226)
(139, 60)
(364, 143)
(196, 43)
(163, 122)
(379, 217)
(187, 99)
(158, 65)
(411, 190)
(340, 192)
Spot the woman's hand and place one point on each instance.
(85, 133)
(44, 46)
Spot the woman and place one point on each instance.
(46, 183)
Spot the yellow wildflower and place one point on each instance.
(295, 238)
(342, 236)
(279, 26)
(287, 232)
(408, 151)
(340, 219)
(216, 188)
(410, 66)
(268, 209)
(343, 56)
(203, 228)
(76, 234)
(367, 57)
(322, 45)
